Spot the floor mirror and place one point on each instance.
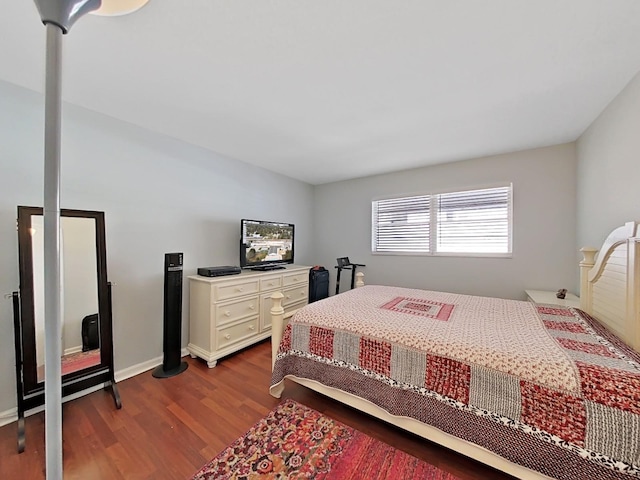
(87, 341)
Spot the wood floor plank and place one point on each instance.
(169, 428)
(196, 426)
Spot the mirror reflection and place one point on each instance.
(78, 265)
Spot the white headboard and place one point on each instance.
(610, 285)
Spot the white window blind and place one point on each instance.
(401, 224)
(477, 222)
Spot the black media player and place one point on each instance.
(218, 271)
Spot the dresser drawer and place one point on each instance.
(270, 283)
(223, 291)
(236, 333)
(232, 311)
(295, 277)
(294, 294)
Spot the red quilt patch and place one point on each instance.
(611, 387)
(566, 326)
(321, 342)
(420, 307)
(448, 377)
(586, 347)
(285, 344)
(554, 412)
(375, 356)
(563, 312)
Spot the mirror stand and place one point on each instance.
(69, 387)
(87, 337)
(19, 385)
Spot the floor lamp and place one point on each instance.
(58, 16)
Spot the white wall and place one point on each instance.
(609, 168)
(544, 253)
(159, 195)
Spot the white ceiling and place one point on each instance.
(328, 90)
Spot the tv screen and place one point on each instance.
(266, 245)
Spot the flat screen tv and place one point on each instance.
(266, 245)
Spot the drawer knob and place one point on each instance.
(239, 289)
(295, 279)
(227, 336)
(271, 284)
(227, 313)
(252, 307)
(288, 296)
(252, 327)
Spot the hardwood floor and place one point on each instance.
(169, 428)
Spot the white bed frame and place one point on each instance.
(609, 291)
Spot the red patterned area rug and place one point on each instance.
(74, 362)
(294, 441)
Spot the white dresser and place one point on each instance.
(231, 312)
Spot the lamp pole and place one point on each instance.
(58, 16)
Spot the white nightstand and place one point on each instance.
(542, 296)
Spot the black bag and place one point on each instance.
(90, 332)
(318, 283)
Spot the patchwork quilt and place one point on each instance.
(543, 386)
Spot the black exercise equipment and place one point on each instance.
(345, 264)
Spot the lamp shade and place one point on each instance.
(64, 13)
(112, 8)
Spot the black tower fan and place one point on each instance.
(172, 339)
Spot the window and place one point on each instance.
(474, 222)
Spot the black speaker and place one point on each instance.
(172, 339)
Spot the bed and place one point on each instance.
(537, 391)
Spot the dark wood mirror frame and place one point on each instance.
(30, 391)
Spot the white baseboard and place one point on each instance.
(72, 350)
(11, 415)
(143, 367)
(8, 416)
